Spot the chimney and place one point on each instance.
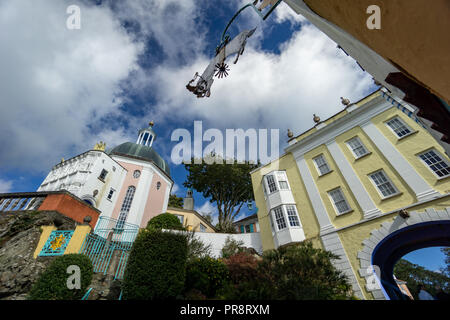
(188, 203)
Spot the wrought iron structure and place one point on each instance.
(109, 246)
(56, 243)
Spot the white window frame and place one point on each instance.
(180, 217)
(296, 216)
(403, 123)
(344, 199)
(443, 159)
(112, 195)
(361, 145)
(388, 179)
(283, 176)
(318, 167)
(281, 219)
(274, 183)
(202, 227)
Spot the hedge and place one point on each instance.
(165, 221)
(52, 283)
(156, 267)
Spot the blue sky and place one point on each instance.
(64, 90)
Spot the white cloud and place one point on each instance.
(56, 82)
(175, 188)
(209, 208)
(5, 186)
(266, 90)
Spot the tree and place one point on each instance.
(175, 202)
(414, 275)
(228, 185)
(446, 270)
(165, 221)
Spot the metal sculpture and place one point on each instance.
(218, 67)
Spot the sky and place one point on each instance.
(62, 90)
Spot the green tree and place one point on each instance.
(156, 267)
(414, 275)
(175, 202)
(165, 221)
(228, 185)
(446, 252)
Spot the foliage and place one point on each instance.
(414, 275)
(195, 247)
(296, 272)
(206, 275)
(446, 252)
(52, 283)
(165, 221)
(228, 185)
(175, 202)
(231, 247)
(156, 266)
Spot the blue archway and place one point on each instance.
(397, 244)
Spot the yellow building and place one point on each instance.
(191, 219)
(369, 184)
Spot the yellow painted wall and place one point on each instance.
(413, 145)
(304, 207)
(77, 239)
(46, 231)
(353, 237)
(330, 181)
(191, 221)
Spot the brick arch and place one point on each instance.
(387, 228)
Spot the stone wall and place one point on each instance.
(19, 236)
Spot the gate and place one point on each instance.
(109, 246)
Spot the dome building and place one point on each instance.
(130, 183)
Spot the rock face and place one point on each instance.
(104, 287)
(19, 236)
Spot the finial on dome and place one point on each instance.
(345, 101)
(151, 123)
(316, 118)
(290, 134)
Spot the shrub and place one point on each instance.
(156, 266)
(196, 248)
(301, 272)
(232, 247)
(165, 221)
(242, 267)
(206, 275)
(52, 283)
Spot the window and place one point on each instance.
(158, 185)
(340, 203)
(271, 183)
(247, 228)
(242, 229)
(125, 209)
(384, 185)
(136, 174)
(322, 165)
(279, 218)
(110, 194)
(399, 127)
(357, 147)
(202, 228)
(292, 216)
(180, 217)
(282, 181)
(433, 160)
(103, 174)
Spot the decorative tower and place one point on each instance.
(146, 136)
(188, 202)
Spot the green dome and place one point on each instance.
(134, 150)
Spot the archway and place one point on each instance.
(409, 231)
(397, 244)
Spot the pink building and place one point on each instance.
(130, 183)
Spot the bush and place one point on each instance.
(52, 283)
(301, 272)
(232, 247)
(196, 248)
(206, 275)
(165, 221)
(247, 281)
(156, 267)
